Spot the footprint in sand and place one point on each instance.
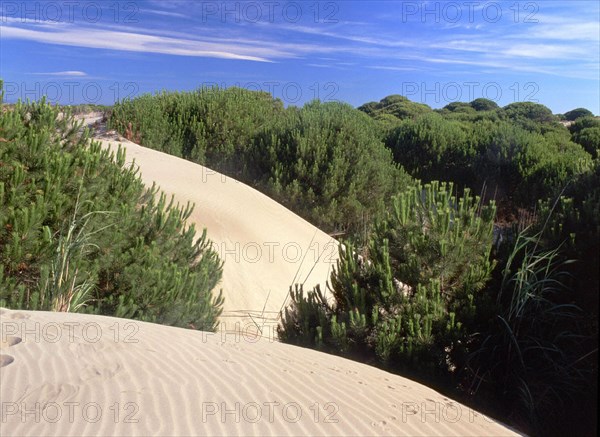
(5, 360)
(6, 342)
(9, 340)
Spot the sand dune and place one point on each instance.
(72, 374)
(265, 247)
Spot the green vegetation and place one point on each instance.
(395, 105)
(435, 279)
(482, 104)
(519, 153)
(586, 131)
(530, 115)
(326, 162)
(438, 246)
(577, 113)
(532, 355)
(79, 232)
(431, 147)
(212, 127)
(432, 294)
(513, 320)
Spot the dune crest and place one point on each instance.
(266, 248)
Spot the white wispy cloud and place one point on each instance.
(391, 68)
(137, 42)
(343, 35)
(544, 51)
(566, 31)
(320, 65)
(165, 13)
(200, 44)
(515, 48)
(68, 73)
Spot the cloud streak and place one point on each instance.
(138, 42)
(69, 73)
(556, 45)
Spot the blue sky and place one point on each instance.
(433, 52)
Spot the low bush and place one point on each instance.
(80, 232)
(409, 298)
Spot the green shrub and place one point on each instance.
(578, 113)
(589, 139)
(431, 148)
(458, 107)
(573, 221)
(531, 116)
(583, 123)
(517, 165)
(211, 126)
(409, 298)
(78, 230)
(396, 105)
(482, 104)
(522, 166)
(326, 162)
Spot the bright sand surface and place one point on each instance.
(265, 247)
(73, 374)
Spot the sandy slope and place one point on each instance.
(265, 247)
(73, 374)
